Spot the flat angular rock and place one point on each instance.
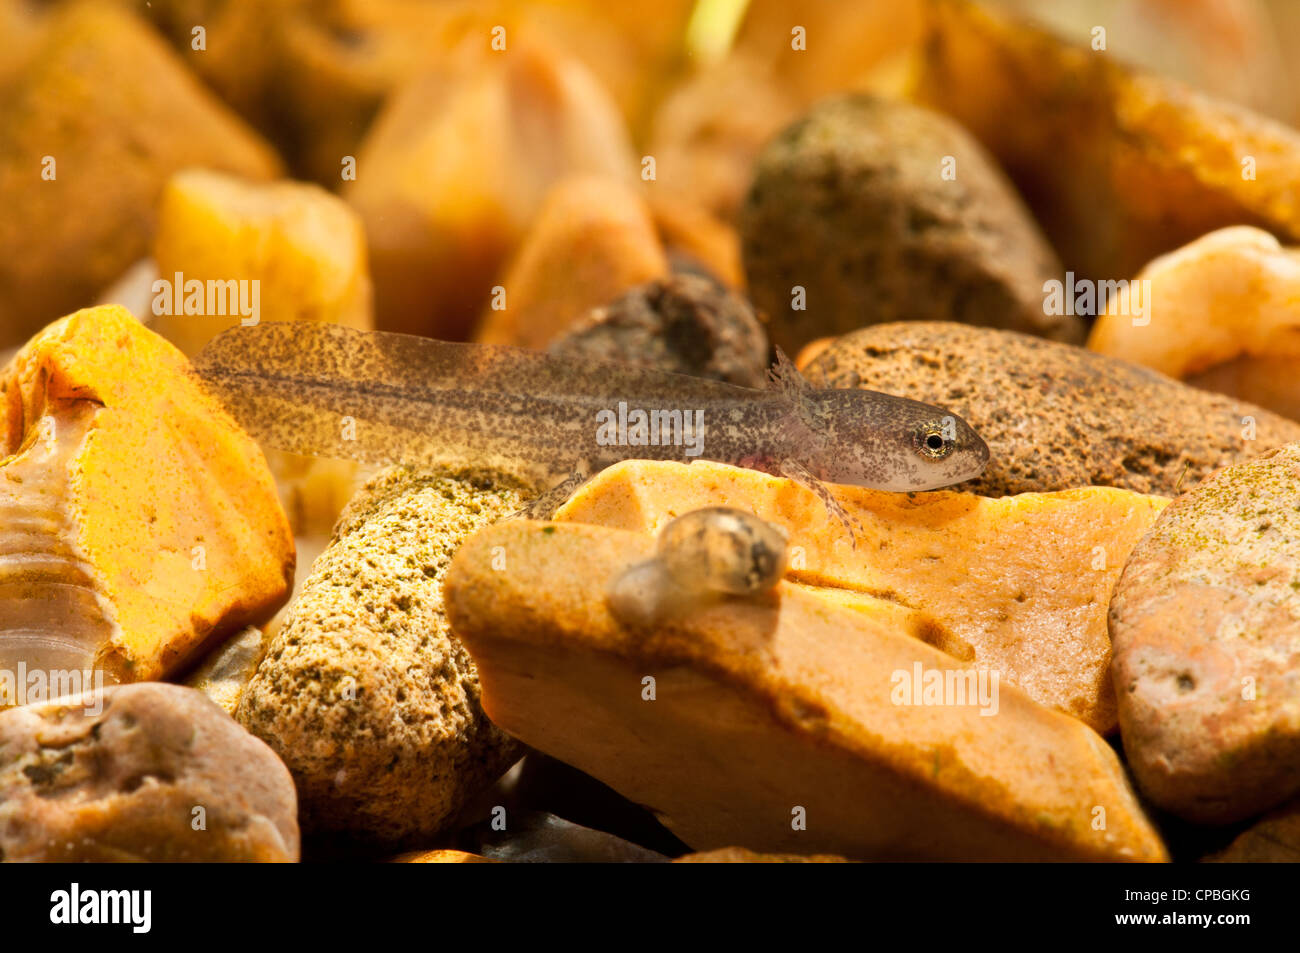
(772, 721)
(146, 772)
(1019, 584)
(304, 251)
(1206, 630)
(305, 248)
(1055, 416)
(456, 167)
(137, 520)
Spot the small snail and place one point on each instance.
(702, 556)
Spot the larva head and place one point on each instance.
(892, 443)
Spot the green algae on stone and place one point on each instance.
(1205, 624)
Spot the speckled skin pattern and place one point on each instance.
(1055, 416)
(301, 386)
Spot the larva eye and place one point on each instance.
(932, 443)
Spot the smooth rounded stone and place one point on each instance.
(364, 694)
(851, 204)
(687, 324)
(1221, 313)
(143, 772)
(1055, 416)
(776, 723)
(1205, 623)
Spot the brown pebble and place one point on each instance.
(880, 211)
(687, 324)
(158, 773)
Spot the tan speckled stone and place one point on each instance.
(1205, 624)
(370, 703)
(1055, 416)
